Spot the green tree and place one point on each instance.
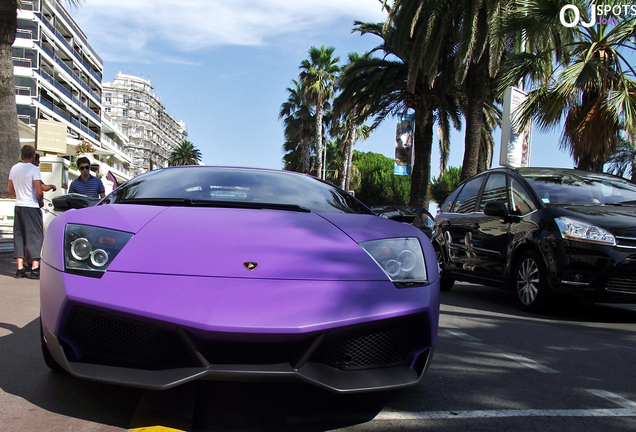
(473, 31)
(622, 162)
(299, 123)
(592, 90)
(380, 84)
(185, 154)
(443, 185)
(319, 76)
(378, 185)
(353, 128)
(9, 134)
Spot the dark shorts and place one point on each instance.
(27, 231)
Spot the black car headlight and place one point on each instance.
(574, 229)
(401, 259)
(89, 250)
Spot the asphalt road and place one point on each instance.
(495, 369)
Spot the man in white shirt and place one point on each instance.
(25, 184)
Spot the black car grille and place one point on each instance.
(390, 344)
(102, 338)
(118, 340)
(621, 283)
(629, 242)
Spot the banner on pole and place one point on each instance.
(404, 144)
(515, 143)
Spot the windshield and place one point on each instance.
(235, 187)
(581, 188)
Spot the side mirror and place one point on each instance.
(73, 201)
(496, 208)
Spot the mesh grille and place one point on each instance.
(626, 284)
(108, 337)
(391, 344)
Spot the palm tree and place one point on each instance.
(473, 31)
(380, 84)
(185, 154)
(346, 135)
(318, 76)
(299, 126)
(592, 90)
(9, 134)
(353, 127)
(622, 163)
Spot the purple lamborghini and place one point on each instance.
(200, 272)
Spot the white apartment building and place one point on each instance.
(152, 132)
(58, 77)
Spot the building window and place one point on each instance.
(124, 113)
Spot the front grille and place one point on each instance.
(622, 283)
(112, 339)
(628, 242)
(390, 344)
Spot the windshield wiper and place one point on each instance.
(156, 201)
(189, 202)
(622, 203)
(250, 205)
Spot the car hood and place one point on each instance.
(619, 220)
(218, 242)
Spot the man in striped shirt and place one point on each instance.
(86, 184)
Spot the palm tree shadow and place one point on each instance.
(24, 374)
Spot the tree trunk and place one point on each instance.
(319, 114)
(475, 87)
(9, 133)
(421, 175)
(304, 145)
(348, 154)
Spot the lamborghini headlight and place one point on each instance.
(89, 250)
(401, 259)
(574, 229)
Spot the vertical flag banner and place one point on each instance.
(404, 144)
(515, 143)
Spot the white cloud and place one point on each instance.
(135, 29)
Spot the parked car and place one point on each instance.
(419, 217)
(199, 272)
(540, 232)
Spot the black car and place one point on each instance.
(419, 217)
(540, 232)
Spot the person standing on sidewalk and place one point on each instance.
(25, 184)
(86, 184)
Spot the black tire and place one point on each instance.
(48, 358)
(529, 282)
(445, 282)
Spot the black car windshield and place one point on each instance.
(235, 187)
(579, 187)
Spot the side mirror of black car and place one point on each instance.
(497, 209)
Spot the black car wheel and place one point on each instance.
(530, 282)
(445, 283)
(48, 358)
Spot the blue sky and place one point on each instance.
(223, 68)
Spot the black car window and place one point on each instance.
(494, 190)
(235, 187)
(448, 204)
(467, 198)
(580, 187)
(521, 202)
